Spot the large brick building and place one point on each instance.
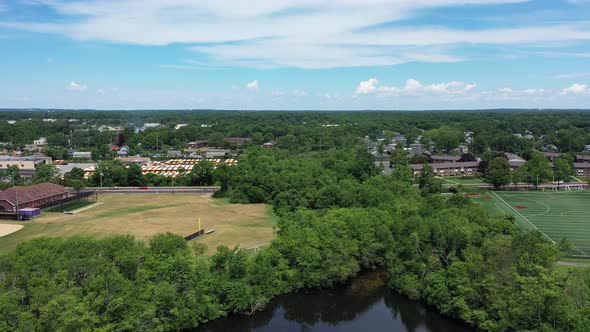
(463, 168)
(31, 196)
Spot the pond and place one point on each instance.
(363, 304)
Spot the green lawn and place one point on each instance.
(557, 215)
(463, 180)
(69, 206)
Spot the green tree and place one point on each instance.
(14, 173)
(76, 174)
(216, 140)
(498, 172)
(135, 177)
(202, 174)
(398, 157)
(537, 169)
(46, 173)
(563, 169)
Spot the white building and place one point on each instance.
(40, 141)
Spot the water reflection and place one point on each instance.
(364, 304)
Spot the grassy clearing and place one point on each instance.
(558, 215)
(144, 215)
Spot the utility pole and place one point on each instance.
(101, 174)
(16, 197)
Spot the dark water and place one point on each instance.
(364, 304)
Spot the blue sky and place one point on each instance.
(295, 54)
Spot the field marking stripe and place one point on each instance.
(528, 221)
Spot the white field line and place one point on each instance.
(258, 246)
(528, 221)
(523, 217)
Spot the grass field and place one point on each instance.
(144, 215)
(462, 180)
(557, 215)
(69, 206)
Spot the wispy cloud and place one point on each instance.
(572, 75)
(252, 86)
(73, 86)
(266, 34)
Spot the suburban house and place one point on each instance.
(582, 169)
(123, 151)
(417, 148)
(31, 196)
(40, 141)
(198, 144)
(463, 168)
(268, 145)
(514, 161)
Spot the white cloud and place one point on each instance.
(533, 91)
(298, 93)
(366, 87)
(73, 86)
(289, 33)
(252, 86)
(100, 92)
(413, 87)
(470, 86)
(572, 75)
(505, 90)
(277, 93)
(575, 89)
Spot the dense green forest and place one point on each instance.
(337, 217)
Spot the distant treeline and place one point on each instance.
(569, 131)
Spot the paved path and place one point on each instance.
(572, 264)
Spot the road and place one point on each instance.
(154, 190)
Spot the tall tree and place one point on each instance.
(498, 172)
(46, 173)
(134, 176)
(563, 168)
(537, 169)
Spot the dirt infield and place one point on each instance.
(6, 229)
(144, 215)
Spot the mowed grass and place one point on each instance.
(144, 215)
(558, 215)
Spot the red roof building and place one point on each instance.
(31, 196)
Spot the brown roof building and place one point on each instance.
(463, 168)
(31, 196)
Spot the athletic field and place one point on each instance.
(557, 215)
(144, 215)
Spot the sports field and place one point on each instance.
(144, 215)
(557, 215)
